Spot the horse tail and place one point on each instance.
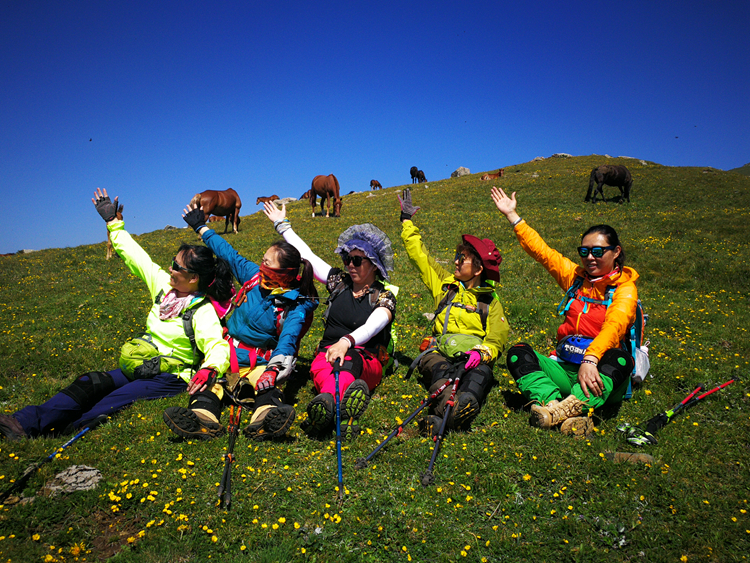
(196, 201)
(592, 178)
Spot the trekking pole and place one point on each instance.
(640, 437)
(21, 481)
(427, 476)
(336, 370)
(362, 462)
(225, 486)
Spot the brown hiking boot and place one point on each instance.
(271, 424)
(11, 428)
(577, 426)
(189, 424)
(555, 412)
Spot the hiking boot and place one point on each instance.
(11, 428)
(577, 426)
(429, 426)
(555, 412)
(190, 425)
(320, 414)
(271, 424)
(353, 406)
(464, 411)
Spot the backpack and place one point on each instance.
(390, 365)
(632, 343)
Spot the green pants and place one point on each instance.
(557, 380)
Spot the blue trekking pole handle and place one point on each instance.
(336, 371)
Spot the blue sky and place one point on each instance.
(156, 101)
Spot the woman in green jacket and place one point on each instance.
(195, 277)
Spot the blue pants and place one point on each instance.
(62, 412)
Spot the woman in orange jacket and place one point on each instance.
(590, 367)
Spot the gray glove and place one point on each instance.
(408, 209)
(106, 208)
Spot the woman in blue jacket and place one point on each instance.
(269, 316)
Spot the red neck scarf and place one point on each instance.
(273, 278)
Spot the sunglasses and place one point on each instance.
(460, 258)
(176, 267)
(595, 251)
(356, 260)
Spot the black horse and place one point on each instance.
(420, 177)
(413, 171)
(618, 176)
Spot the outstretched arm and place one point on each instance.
(278, 216)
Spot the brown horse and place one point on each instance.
(500, 174)
(274, 197)
(375, 185)
(305, 195)
(327, 187)
(225, 203)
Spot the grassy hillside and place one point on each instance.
(745, 170)
(503, 492)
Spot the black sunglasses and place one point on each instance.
(596, 251)
(460, 258)
(356, 260)
(178, 268)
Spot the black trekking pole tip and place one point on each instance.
(427, 478)
(361, 463)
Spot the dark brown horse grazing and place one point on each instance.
(273, 197)
(611, 175)
(375, 185)
(420, 177)
(414, 171)
(305, 195)
(224, 203)
(327, 187)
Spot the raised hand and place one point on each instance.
(408, 209)
(104, 205)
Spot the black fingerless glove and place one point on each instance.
(195, 219)
(106, 208)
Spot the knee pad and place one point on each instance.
(616, 364)
(477, 382)
(522, 361)
(90, 388)
(353, 363)
(207, 401)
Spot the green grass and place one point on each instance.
(503, 492)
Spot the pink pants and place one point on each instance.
(325, 382)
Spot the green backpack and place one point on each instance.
(140, 358)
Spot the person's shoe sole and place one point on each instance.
(274, 425)
(466, 410)
(318, 417)
(429, 426)
(186, 424)
(353, 406)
